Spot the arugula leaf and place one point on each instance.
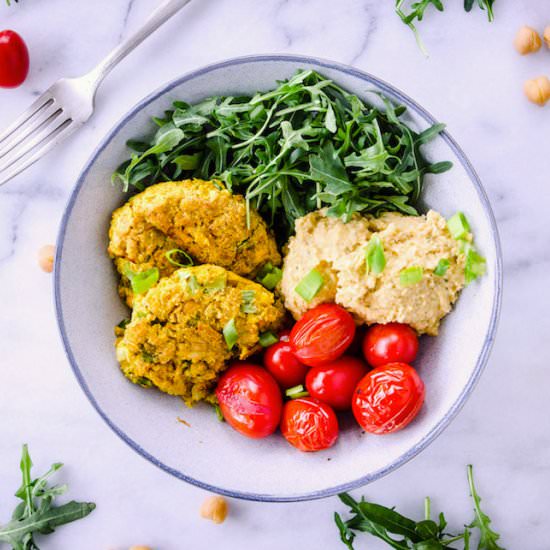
(36, 513)
(489, 538)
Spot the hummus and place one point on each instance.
(337, 250)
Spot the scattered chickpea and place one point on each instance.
(214, 508)
(546, 36)
(527, 40)
(537, 90)
(45, 257)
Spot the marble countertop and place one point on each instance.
(472, 81)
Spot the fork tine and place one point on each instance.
(38, 121)
(35, 149)
(42, 102)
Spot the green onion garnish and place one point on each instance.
(217, 284)
(267, 339)
(310, 285)
(411, 275)
(176, 251)
(374, 256)
(269, 276)
(190, 281)
(123, 324)
(458, 226)
(476, 265)
(219, 413)
(248, 298)
(142, 281)
(230, 334)
(442, 267)
(296, 391)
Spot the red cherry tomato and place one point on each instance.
(309, 425)
(281, 362)
(284, 335)
(335, 383)
(14, 60)
(250, 400)
(388, 398)
(322, 335)
(391, 343)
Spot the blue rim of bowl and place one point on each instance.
(482, 358)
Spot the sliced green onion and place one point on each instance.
(144, 382)
(147, 357)
(267, 339)
(142, 281)
(248, 298)
(296, 391)
(442, 267)
(269, 276)
(310, 285)
(170, 257)
(411, 275)
(230, 334)
(374, 256)
(190, 281)
(123, 324)
(217, 284)
(475, 267)
(458, 226)
(219, 413)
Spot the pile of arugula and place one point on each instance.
(37, 514)
(403, 533)
(305, 145)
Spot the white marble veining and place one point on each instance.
(472, 80)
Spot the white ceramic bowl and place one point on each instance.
(209, 453)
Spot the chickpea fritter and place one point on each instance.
(175, 339)
(201, 218)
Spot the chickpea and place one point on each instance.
(214, 508)
(537, 90)
(527, 40)
(546, 36)
(45, 257)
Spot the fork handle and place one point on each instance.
(164, 12)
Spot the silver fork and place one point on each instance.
(68, 104)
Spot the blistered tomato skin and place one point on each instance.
(14, 59)
(250, 400)
(309, 425)
(390, 343)
(335, 383)
(280, 361)
(322, 334)
(388, 398)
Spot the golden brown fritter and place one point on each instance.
(175, 338)
(201, 218)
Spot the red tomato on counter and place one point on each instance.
(322, 334)
(335, 382)
(14, 59)
(280, 361)
(390, 343)
(388, 398)
(309, 425)
(250, 400)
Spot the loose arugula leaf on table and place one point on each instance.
(36, 513)
(305, 145)
(403, 533)
(488, 537)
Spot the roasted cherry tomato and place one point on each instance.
(284, 335)
(322, 335)
(308, 424)
(280, 361)
(14, 60)
(335, 383)
(250, 400)
(388, 398)
(391, 343)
